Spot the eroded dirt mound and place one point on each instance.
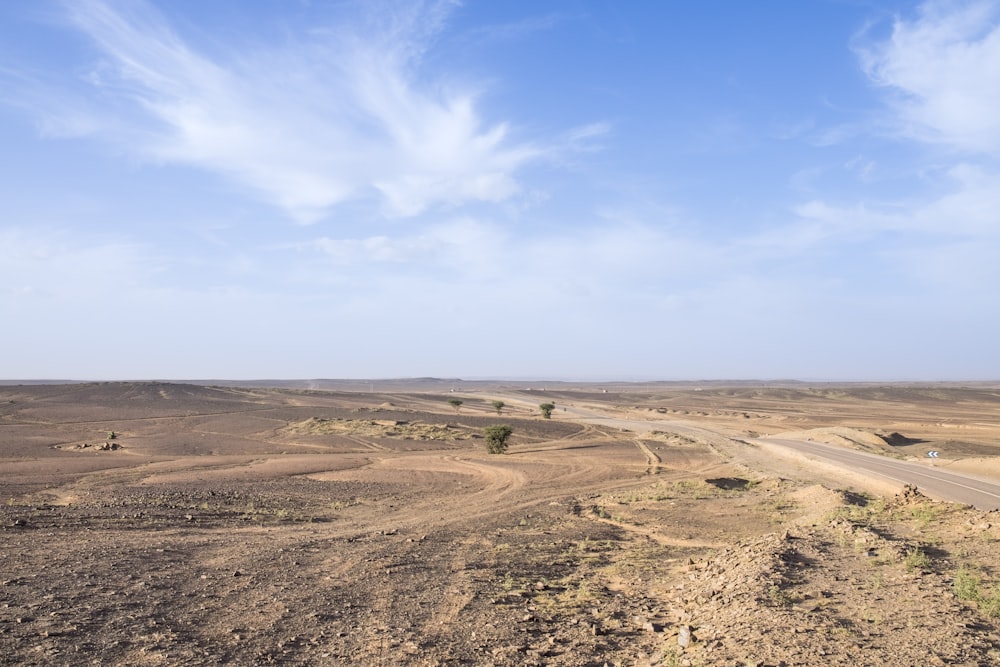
(896, 439)
(387, 428)
(843, 436)
(857, 586)
(107, 446)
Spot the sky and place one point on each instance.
(577, 190)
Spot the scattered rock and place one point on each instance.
(684, 636)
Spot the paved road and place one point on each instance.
(944, 484)
(981, 493)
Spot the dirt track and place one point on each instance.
(243, 526)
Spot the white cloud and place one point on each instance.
(621, 295)
(515, 30)
(464, 244)
(970, 208)
(943, 67)
(599, 265)
(340, 114)
(37, 267)
(862, 166)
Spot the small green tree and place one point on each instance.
(498, 406)
(547, 409)
(497, 437)
(455, 403)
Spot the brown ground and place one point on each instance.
(263, 526)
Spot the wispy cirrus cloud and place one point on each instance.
(334, 114)
(942, 68)
(514, 30)
(936, 74)
(598, 260)
(38, 265)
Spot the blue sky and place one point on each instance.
(578, 190)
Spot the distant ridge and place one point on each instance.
(10, 383)
(429, 383)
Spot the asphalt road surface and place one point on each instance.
(980, 493)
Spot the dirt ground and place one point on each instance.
(180, 524)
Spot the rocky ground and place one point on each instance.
(313, 528)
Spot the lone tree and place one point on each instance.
(455, 403)
(547, 409)
(497, 437)
(498, 406)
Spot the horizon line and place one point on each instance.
(519, 379)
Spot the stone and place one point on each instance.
(684, 636)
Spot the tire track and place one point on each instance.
(653, 461)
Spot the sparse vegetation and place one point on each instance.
(498, 406)
(865, 510)
(927, 513)
(547, 409)
(778, 597)
(578, 550)
(916, 559)
(968, 586)
(497, 438)
(455, 403)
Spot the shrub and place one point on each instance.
(968, 586)
(497, 437)
(547, 409)
(916, 559)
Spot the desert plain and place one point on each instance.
(149, 523)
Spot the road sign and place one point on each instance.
(932, 454)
